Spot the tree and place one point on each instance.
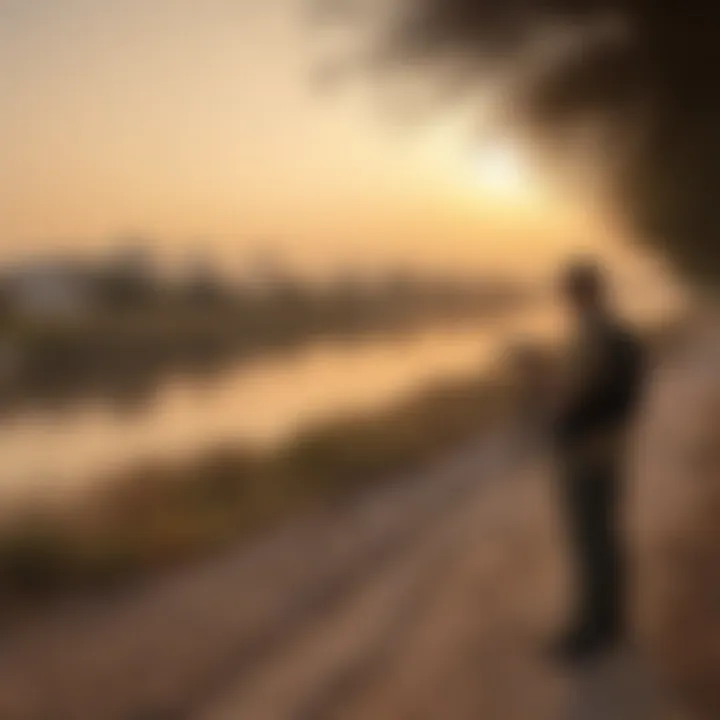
(642, 71)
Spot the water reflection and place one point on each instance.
(51, 452)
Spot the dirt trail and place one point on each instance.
(426, 599)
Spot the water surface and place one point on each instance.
(52, 454)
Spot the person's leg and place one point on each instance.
(602, 553)
(578, 544)
(590, 496)
(571, 497)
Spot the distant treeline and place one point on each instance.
(113, 330)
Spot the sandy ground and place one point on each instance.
(428, 598)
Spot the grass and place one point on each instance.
(160, 514)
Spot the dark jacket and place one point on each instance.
(611, 378)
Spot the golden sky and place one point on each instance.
(191, 122)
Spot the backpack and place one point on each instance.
(613, 399)
(624, 376)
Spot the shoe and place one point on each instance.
(583, 644)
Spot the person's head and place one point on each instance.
(583, 286)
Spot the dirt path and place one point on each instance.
(427, 599)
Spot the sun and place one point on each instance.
(500, 170)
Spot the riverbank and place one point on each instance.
(122, 355)
(164, 513)
(425, 598)
(159, 514)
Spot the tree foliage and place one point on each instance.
(644, 70)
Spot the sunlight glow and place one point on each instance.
(501, 171)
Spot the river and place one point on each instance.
(53, 454)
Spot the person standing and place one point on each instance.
(594, 414)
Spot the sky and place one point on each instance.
(198, 125)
